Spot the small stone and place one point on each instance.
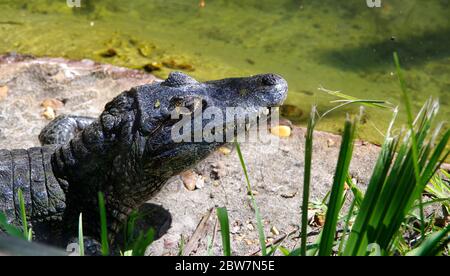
(331, 143)
(192, 181)
(250, 227)
(248, 242)
(224, 150)
(289, 194)
(281, 131)
(218, 170)
(319, 219)
(274, 231)
(49, 113)
(3, 92)
(53, 103)
(200, 183)
(235, 229)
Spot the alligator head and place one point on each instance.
(134, 147)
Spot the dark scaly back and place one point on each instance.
(44, 196)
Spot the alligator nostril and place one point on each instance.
(270, 79)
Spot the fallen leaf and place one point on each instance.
(3, 92)
(53, 103)
(224, 150)
(281, 131)
(274, 231)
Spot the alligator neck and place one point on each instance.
(87, 163)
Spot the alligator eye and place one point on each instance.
(269, 79)
(187, 105)
(177, 79)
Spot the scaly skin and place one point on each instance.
(127, 152)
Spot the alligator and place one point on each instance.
(128, 153)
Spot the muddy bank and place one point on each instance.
(276, 172)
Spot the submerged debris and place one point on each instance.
(111, 52)
(153, 66)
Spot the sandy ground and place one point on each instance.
(276, 172)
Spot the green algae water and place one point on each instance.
(338, 45)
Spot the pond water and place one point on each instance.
(338, 45)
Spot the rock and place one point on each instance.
(192, 181)
(331, 143)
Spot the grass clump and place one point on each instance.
(377, 220)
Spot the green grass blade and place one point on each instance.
(23, 214)
(284, 250)
(142, 242)
(259, 224)
(103, 225)
(357, 193)
(430, 244)
(337, 191)
(346, 227)
(9, 228)
(348, 98)
(307, 179)
(80, 235)
(222, 215)
(129, 230)
(409, 113)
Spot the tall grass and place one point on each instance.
(405, 165)
(260, 227)
(307, 179)
(337, 190)
(103, 225)
(24, 232)
(222, 215)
